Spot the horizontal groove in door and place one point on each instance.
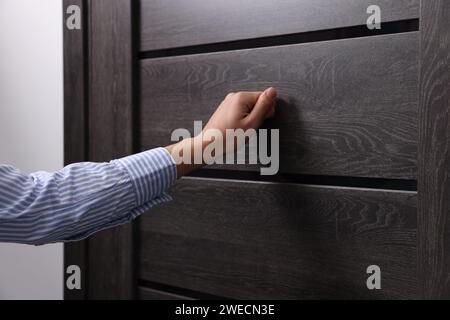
(345, 108)
(331, 181)
(167, 292)
(152, 294)
(308, 37)
(170, 24)
(279, 241)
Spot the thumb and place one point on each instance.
(262, 108)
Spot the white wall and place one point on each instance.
(31, 130)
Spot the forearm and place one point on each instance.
(193, 146)
(82, 198)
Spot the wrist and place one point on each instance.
(187, 154)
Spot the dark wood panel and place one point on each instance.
(346, 107)
(152, 294)
(111, 264)
(434, 150)
(75, 125)
(267, 240)
(75, 93)
(177, 23)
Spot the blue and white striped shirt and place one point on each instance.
(82, 198)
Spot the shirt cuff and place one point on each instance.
(152, 173)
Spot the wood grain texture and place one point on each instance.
(75, 125)
(75, 93)
(152, 294)
(434, 150)
(177, 23)
(346, 107)
(280, 241)
(111, 267)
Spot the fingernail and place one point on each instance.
(271, 93)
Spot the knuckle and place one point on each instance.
(266, 99)
(247, 124)
(229, 95)
(239, 96)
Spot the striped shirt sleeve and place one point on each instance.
(82, 198)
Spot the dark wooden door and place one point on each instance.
(364, 147)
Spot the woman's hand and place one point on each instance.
(240, 110)
(243, 110)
